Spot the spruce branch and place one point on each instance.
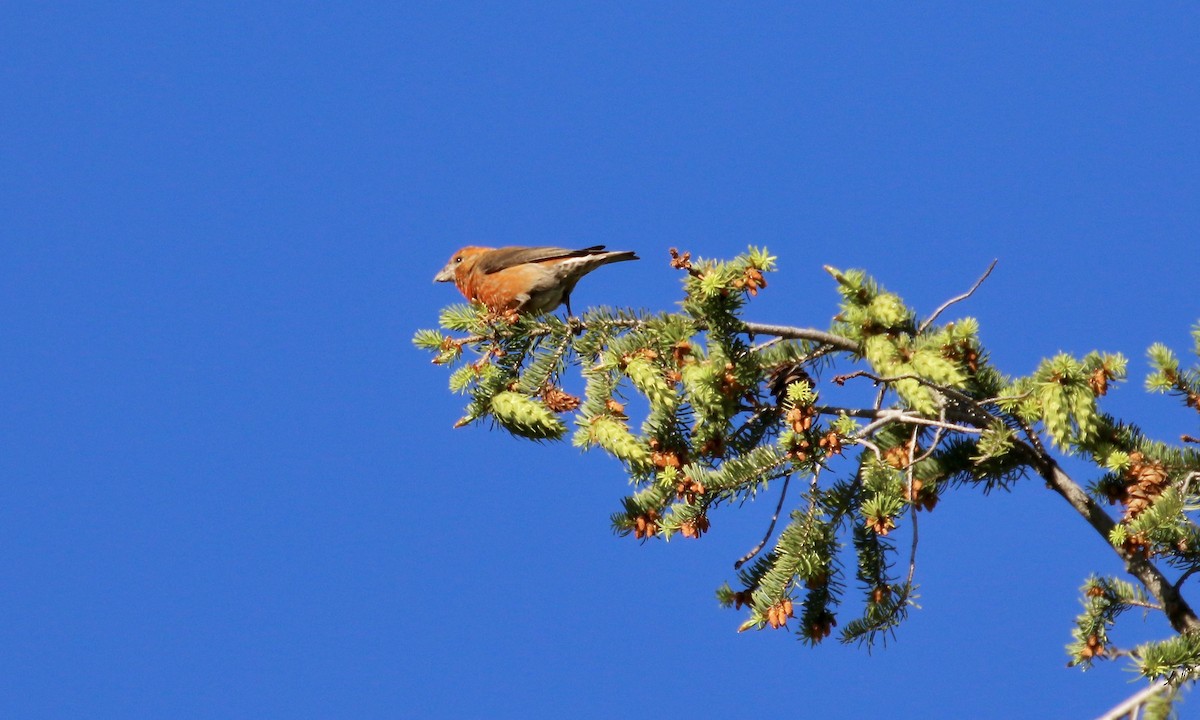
(1179, 613)
(727, 413)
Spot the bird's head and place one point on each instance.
(458, 263)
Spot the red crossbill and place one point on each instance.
(524, 280)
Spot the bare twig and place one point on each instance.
(879, 396)
(870, 445)
(925, 325)
(912, 511)
(794, 333)
(1003, 398)
(1186, 574)
(763, 346)
(1034, 441)
(770, 529)
(1131, 706)
(937, 439)
(1187, 484)
(887, 417)
(902, 601)
(951, 392)
(852, 412)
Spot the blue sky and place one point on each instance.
(229, 486)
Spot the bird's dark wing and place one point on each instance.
(506, 257)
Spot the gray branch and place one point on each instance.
(1177, 610)
(788, 332)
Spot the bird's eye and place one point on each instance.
(458, 259)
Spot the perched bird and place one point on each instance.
(524, 280)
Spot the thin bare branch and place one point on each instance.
(912, 511)
(925, 325)
(763, 346)
(887, 417)
(770, 528)
(870, 445)
(951, 392)
(1183, 578)
(1003, 398)
(937, 439)
(795, 333)
(1187, 483)
(1130, 707)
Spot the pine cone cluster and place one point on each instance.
(1098, 381)
(881, 525)
(645, 353)
(665, 457)
(1136, 546)
(1093, 648)
(559, 400)
(751, 281)
(682, 352)
(688, 490)
(815, 582)
(1192, 398)
(800, 449)
(694, 527)
(923, 498)
(964, 353)
(831, 442)
(820, 628)
(713, 447)
(730, 386)
(1137, 488)
(897, 456)
(682, 261)
(801, 418)
(779, 613)
(785, 375)
(646, 524)
(1145, 480)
